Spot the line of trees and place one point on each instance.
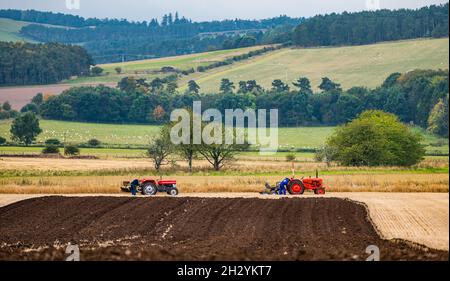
(218, 155)
(113, 40)
(238, 58)
(372, 26)
(419, 97)
(169, 19)
(6, 111)
(25, 63)
(374, 138)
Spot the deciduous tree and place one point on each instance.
(160, 148)
(438, 120)
(376, 138)
(25, 128)
(226, 86)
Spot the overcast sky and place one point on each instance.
(200, 10)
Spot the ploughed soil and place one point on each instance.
(165, 228)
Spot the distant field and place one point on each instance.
(138, 135)
(9, 30)
(366, 65)
(81, 132)
(138, 68)
(19, 96)
(351, 66)
(179, 62)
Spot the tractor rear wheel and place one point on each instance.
(149, 189)
(296, 187)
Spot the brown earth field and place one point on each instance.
(188, 228)
(19, 96)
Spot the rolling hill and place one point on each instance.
(9, 30)
(351, 66)
(366, 65)
(144, 68)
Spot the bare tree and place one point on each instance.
(219, 154)
(188, 152)
(160, 148)
(325, 154)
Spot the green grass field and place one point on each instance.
(143, 68)
(139, 135)
(75, 132)
(366, 65)
(179, 62)
(9, 30)
(99, 152)
(351, 66)
(113, 134)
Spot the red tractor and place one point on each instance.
(298, 186)
(148, 186)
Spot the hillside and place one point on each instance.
(144, 68)
(351, 66)
(366, 65)
(9, 30)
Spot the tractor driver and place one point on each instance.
(283, 186)
(133, 187)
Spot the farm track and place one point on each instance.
(188, 228)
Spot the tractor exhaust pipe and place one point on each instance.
(317, 174)
(293, 170)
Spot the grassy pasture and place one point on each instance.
(132, 136)
(351, 66)
(76, 132)
(140, 68)
(9, 30)
(179, 62)
(366, 65)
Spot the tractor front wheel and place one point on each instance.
(173, 192)
(319, 191)
(296, 187)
